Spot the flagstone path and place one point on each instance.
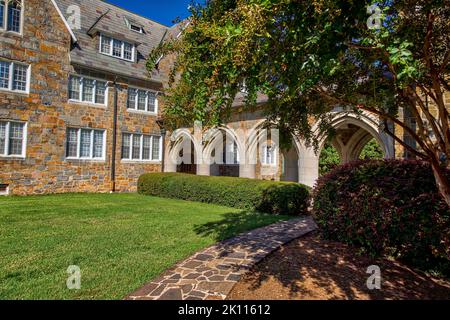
(213, 272)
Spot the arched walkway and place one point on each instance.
(353, 132)
(183, 153)
(223, 151)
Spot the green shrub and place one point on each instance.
(265, 196)
(387, 207)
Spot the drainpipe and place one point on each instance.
(163, 158)
(114, 142)
(160, 123)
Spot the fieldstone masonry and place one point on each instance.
(45, 44)
(213, 272)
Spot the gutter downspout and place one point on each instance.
(163, 158)
(163, 131)
(114, 142)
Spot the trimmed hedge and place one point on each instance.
(283, 198)
(388, 207)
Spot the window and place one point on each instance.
(14, 76)
(105, 44)
(87, 90)
(142, 100)
(117, 48)
(2, 14)
(127, 51)
(11, 15)
(85, 144)
(230, 153)
(269, 155)
(138, 147)
(4, 189)
(136, 28)
(12, 139)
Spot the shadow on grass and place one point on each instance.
(313, 268)
(235, 223)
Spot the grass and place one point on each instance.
(119, 241)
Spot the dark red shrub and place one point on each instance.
(387, 207)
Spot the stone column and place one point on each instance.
(203, 169)
(247, 171)
(169, 164)
(308, 167)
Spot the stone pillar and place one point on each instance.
(203, 169)
(247, 171)
(308, 167)
(169, 164)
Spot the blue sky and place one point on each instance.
(163, 11)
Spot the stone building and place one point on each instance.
(79, 112)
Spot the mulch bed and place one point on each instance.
(311, 268)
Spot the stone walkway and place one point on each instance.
(213, 272)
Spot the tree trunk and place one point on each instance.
(442, 182)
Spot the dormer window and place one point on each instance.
(133, 26)
(11, 15)
(117, 48)
(136, 28)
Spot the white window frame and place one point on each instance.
(91, 156)
(4, 153)
(11, 77)
(264, 159)
(141, 148)
(136, 101)
(5, 18)
(94, 94)
(6, 192)
(122, 55)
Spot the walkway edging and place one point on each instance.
(213, 272)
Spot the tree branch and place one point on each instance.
(402, 143)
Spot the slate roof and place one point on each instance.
(99, 16)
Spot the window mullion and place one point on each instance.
(111, 43)
(81, 88)
(91, 147)
(94, 91)
(131, 147)
(7, 138)
(151, 147)
(11, 76)
(78, 143)
(146, 101)
(141, 155)
(122, 50)
(136, 101)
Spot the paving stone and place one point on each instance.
(172, 294)
(204, 257)
(212, 273)
(192, 264)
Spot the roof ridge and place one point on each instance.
(137, 14)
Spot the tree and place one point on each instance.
(329, 159)
(313, 55)
(371, 151)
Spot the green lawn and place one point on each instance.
(119, 241)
